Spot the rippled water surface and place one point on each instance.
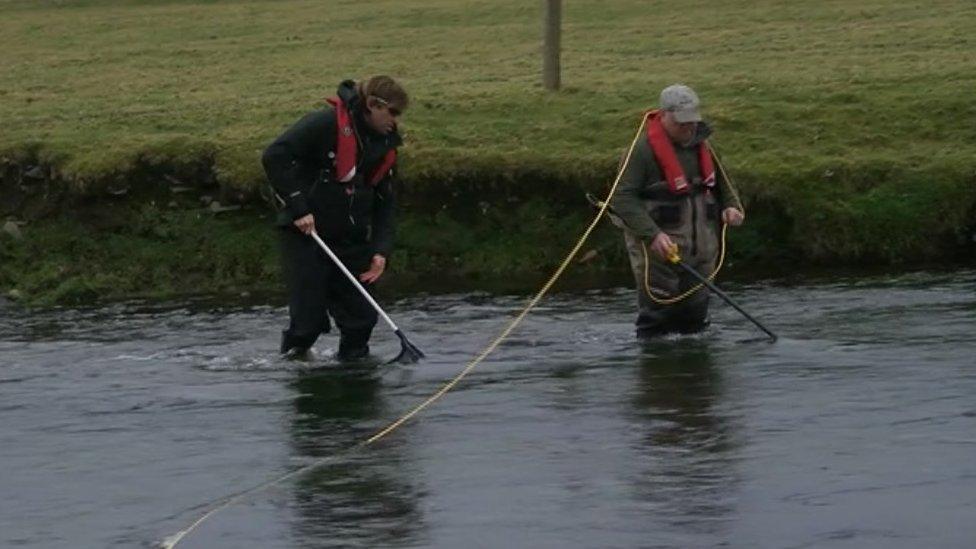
(120, 425)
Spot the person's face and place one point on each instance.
(680, 132)
(381, 116)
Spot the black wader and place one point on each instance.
(354, 218)
(317, 289)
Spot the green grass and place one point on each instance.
(847, 125)
(149, 252)
(806, 83)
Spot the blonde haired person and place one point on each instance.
(332, 172)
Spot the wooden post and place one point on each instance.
(550, 43)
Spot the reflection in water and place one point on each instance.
(118, 424)
(363, 499)
(690, 454)
(333, 409)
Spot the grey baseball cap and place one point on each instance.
(682, 101)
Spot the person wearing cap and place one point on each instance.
(671, 194)
(332, 172)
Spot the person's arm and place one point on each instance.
(627, 202)
(303, 144)
(384, 228)
(732, 211)
(384, 216)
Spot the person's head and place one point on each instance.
(679, 112)
(383, 101)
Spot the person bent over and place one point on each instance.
(670, 194)
(332, 172)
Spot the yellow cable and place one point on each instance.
(721, 257)
(171, 541)
(690, 291)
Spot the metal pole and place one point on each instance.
(773, 337)
(355, 283)
(550, 44)
(409, 353)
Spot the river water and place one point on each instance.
(121, 425)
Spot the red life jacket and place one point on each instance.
(663, 149)
(346, 146)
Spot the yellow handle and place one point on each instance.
(673, 256)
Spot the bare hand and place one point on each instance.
(732, 216)
(376, 268)
(305, 224)
(663, 246)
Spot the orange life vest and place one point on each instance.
(346, 147)
(663, 150)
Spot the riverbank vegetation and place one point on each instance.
(843, 124)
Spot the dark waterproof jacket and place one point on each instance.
(299, 165)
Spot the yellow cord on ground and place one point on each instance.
(173, 540)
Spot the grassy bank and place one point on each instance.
(843, 123)
(155, 251)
